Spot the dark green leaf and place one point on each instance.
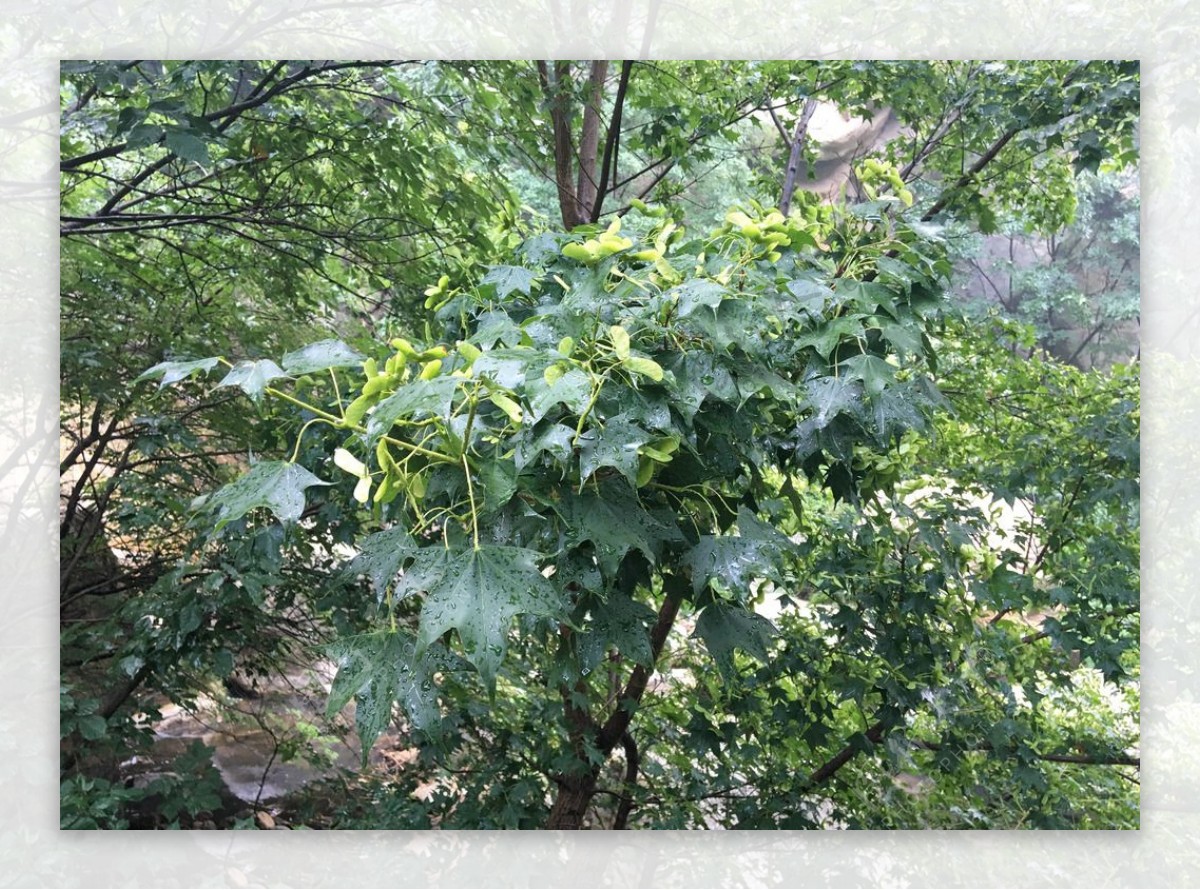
(831, 396)
(616, 446)
(615, 522)
(510, 278)
(825, 338)
(92, 727)
(432, 397)
(573, 389)
(498, 478)
(381, 556)
(188, 147)
(875, 374)
(377, 670)
(811, 296)
(555, 439)
(277, 485)
(620, 623)
(477, 593)
(724, 628)
(701, 293)
(736, 561)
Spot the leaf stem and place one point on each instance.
(471, 498)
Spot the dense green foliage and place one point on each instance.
(504, 505)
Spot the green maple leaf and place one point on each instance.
(736, 561)
(381, 556)
(321, 356)
(173, 372)
(510, 278)
(420, 396)
(477, 593)
(620, 623)
(573, 389)
(725, 627)
(381, 668)
(555, 439)
(615, 522)
(275, 484)
(252, 377)
(616, 445)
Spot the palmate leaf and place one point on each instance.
(418, 397)
(275, 484)
(510, 278)
(875, 373)
(477, 593)
(382, 668)
(616, 446)
(321, 356)
(620, 623)
(700, 293)
(725, 627)
(614, 522)
(572, 389)
(173, 372)
(253, 377)
(734, 322)
(554, 439)
(832, 396)
(187, 146)
(738, 560)
(381, 556)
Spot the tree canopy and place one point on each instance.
(609, 428)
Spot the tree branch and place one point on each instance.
(618, 722)
(631, 773)
(797, 150)
(612, 143)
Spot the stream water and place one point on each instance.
(265, 746)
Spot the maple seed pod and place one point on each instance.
(386, 491)
(431, 369)
(384, 456)
(579, 253)
(406, 349)
(439, 288)
(375, 385)
(610, 244)
(370, 368)
(356, 410)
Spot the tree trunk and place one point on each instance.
(574, 795)
(575, 791)
(556, 87)
(588, 184)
